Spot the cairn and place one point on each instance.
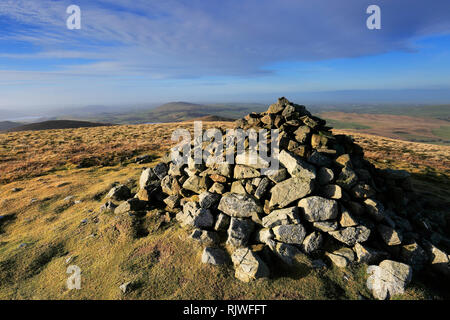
(325, 200)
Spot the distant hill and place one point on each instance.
(212, 118)
(7, 125)
(57, 124)
(182, 111)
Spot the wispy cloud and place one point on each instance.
(176, 39)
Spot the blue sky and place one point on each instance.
(144, 51)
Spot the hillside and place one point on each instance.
(53, 184)
(57, 124)
(7, 125)
(404, 127)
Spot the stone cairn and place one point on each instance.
(325, 201)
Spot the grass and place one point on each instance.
(153, 252)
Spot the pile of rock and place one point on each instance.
(325, 200)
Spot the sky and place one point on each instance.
(151, 51)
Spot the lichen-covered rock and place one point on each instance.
(351, 235)
(280, 217)
(290, 233)
(317, 208)
(389, 278)
(160, 170)
(196, 184)
(245, 172)
(130, 205)
(248, 265)
(342, 257)
(208, 199)
(290, 190)
(239, 232)
(312, 242)
(119, 193)
(194, 216)
(239, 205)
(215, 256)
(297, 167)
(204, 237)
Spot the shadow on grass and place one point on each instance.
(4, 220)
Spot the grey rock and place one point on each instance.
(204, 237)
(413, 255)
(222, 222)
(239, 205)
(262, 188)
(295, 166)
(169, 185)
(125, 287)
(342, 257)
(239, 232)
(286, 252)
(245, 172)
(302, 134)
(362, 191)
(317, 208)
(440, 261)
(130, 205)
(319, 159)
(175, 170)
(194, 216)
(347, 178)
(160, 170)
(237, 187)
(312, 242)
(108, 206)
(389, 235)
(326, 226)
(351, 235)
(119, 193)
(366, 254)
(347, 220)
(215, 256)
(251, 160)
(331, 191)
(290, 190)
(172, 201)
(208, 200)
(147, 175)
(375, 209)
(277, 175)
(264, 235)
(389, 278)
(248, 265)
(281, 217)
(196, 184)
(217, 188)
(291, 233)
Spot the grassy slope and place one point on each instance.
(163, 264)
